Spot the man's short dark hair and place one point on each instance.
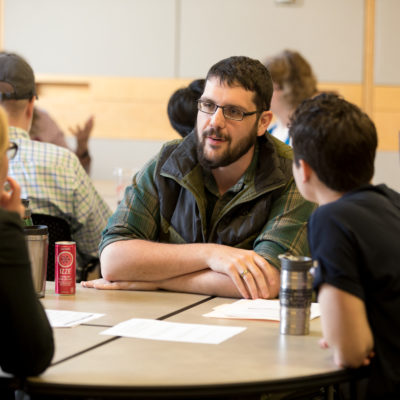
(249, 73)
(336, 139)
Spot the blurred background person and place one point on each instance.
(182, 107)
(51, 177)
(294, 81)
(45, 129)
(26, 337)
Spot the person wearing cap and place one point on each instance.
(45, 129)
(213, 211)
(50, 176)
(26, 337)
(354, 239)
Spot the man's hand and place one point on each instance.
(252, 275)
(119, 285)
(82, 135)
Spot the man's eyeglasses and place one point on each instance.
(229, 112)
(12, 150)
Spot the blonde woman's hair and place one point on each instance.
(291, 72)
(3, 132)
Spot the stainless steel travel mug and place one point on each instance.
(295, 294)
(37, 240)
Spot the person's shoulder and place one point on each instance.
(357, 205)
(52, 159)
(369, 195)
(181, 145)
(390, 194)
(344, 209)
(178, 156)
(278, 154)
(282, 149)
(337, 206)
(57, 155)
(171, 145)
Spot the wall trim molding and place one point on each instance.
(369, 47)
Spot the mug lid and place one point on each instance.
(295, 263)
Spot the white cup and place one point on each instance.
(123, 178)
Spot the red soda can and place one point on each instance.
(65, 267)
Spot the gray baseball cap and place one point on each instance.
(17, 80)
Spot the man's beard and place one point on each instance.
(231, 154)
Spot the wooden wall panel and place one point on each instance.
(387, 116)
(136, 108)
(124, 108)
(351, 92)
(387, 98)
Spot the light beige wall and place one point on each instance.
(387, 34)
(93, 37)
(182, 38)
(329, 33)
(1, 24)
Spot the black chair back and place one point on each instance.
(59, 230)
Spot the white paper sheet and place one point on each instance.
(255, 309)
(67, 319)
(173, 331)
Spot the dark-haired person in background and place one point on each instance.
(354, 236)
(211, 213)
(182, 107)
(26, 337)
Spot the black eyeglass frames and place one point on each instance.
(229, 112)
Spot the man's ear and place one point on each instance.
(29, 109)
(29, 113)
(263, 122)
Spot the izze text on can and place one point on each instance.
(65, 267)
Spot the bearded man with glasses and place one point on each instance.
(211, 213)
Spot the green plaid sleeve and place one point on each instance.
(138, 214)
(286, 229)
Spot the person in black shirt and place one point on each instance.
(353, 236)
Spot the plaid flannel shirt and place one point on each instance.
(56, 184)
(138, 215)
